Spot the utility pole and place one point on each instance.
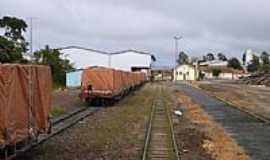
(31, 36)
(176, 38)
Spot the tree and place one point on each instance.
(222, 57)
(265, 58)
(204, 59)
(194, 60)
(14, 29)
(216, 72)
(255, 64)
(210, 57)
(182, 58)
(244, 58)
(265, 62)
(12, 43)
(234, 63)
(201, 75)
(53, 58)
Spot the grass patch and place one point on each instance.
(57, 111)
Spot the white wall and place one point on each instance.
(185, 71)
(124, 61)
(130, 59)
(224, 76)
(85, 58)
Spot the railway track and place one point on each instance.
(58, 126)
(160, 142)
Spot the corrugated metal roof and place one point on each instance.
(88, 49)
(135, 51)
(109, 53)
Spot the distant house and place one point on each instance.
(226, 73)
(185, 72)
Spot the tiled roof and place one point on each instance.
(224, 69)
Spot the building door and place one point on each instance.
(184, 77)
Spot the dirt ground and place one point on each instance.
(253, 99)
(199, 137)
(115, 132)
(64, 101)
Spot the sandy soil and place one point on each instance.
(200, 137)
(250, 98)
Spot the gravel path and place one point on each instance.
(251, 134)
(251, 98)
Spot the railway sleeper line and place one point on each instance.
(160, 142)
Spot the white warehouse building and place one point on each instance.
(127, 60)
(131, 60)
(84, 57)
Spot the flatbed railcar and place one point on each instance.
(106, 84)
(25, 101)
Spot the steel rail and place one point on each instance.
(68, 115)
(64, 124)
(175, 147)
(149, 130)
(58, 126)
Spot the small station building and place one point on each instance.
(185, 72)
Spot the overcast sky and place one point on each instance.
(228, 26)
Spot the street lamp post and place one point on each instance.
(176, 38)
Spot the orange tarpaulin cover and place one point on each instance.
(108, 82)
(25, 101)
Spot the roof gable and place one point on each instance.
(87, 49)
(182, 65)
(134, 51)
(108, 53)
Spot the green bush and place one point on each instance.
(57, 111)
(216, 72)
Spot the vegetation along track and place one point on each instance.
(59, 125)
(160, 142)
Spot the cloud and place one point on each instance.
(207, 25)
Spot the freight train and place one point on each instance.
(25, 101)
(101, 84)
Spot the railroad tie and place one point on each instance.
(160, 145)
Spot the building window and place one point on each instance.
(180, 73)
(187, 73)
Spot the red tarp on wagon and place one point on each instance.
(25, 101)
(107, 82)
(99, 80)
